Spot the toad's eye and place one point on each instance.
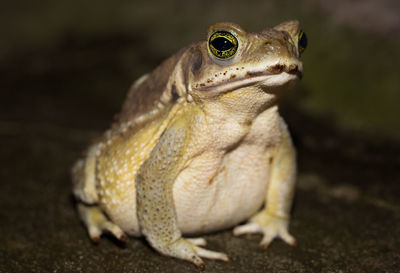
(302, 41)
(223, 44)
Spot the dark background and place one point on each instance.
(65, 67)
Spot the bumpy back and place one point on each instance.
(145, 93)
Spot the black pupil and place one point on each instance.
(303, 41)
(221, 44)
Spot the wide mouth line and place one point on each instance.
(251, 78)
(276, 70)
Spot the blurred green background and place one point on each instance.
(351, 65)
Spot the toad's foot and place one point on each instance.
(270, 226)
(97, 223)
(197, 241)
(188, 249)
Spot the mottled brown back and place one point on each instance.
(143, 98)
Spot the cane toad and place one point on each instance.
(199, 146)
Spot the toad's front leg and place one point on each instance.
(155, 204)
(273, 220)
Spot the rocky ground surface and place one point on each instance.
(346, 215)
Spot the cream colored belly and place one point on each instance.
(210, 195)
(235, 193)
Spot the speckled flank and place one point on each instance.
(117, 167)
(120, 161)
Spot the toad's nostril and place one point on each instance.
(278, 68)
(293, 68)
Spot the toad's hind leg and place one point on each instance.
(84, 184)
(97, 223)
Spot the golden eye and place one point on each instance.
(302, 41)
(223, 44)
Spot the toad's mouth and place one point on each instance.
(275, 76)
